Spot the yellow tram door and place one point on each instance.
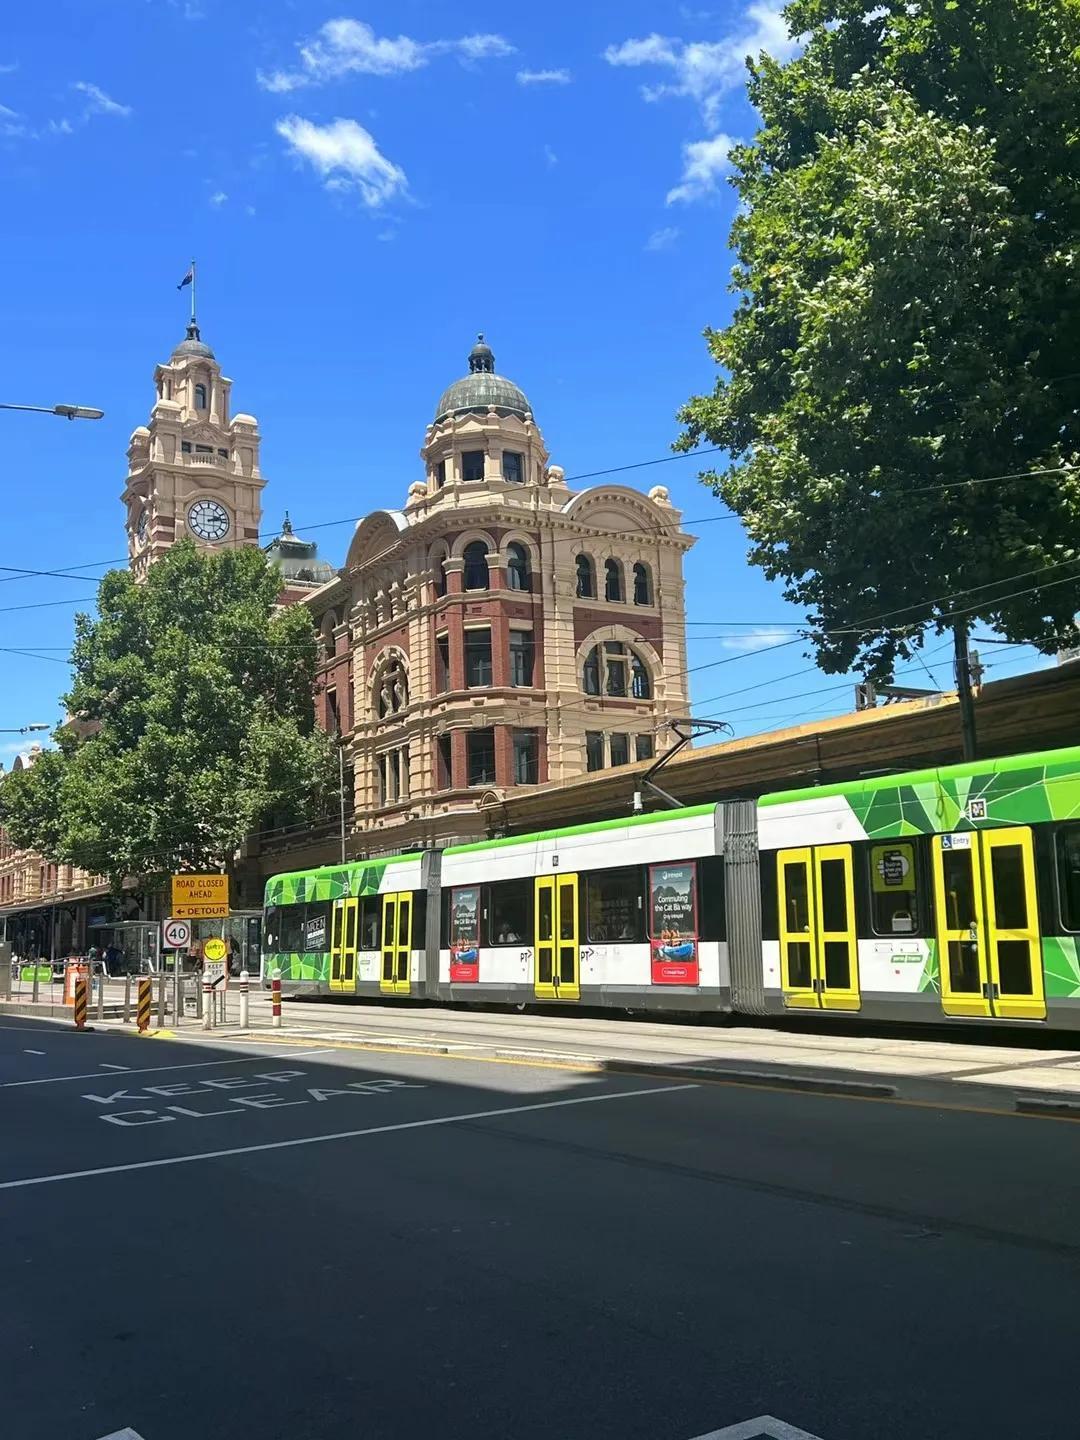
(837, 943)
(337, 931)
(1013, 944)
(798, 930)
(961, 928)
(350, 909)
(558, 940)
(396, 943)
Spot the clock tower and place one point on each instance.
(194, 470)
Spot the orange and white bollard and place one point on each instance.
(275, 995)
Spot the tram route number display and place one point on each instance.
(673, 926)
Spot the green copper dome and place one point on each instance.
(194, 344)
(482, 389)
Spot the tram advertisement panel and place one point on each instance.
(465, 935)
(673, 928)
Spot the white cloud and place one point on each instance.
(351, 47)
(663, 239)
(550, 156)
(757, 639)
(347, 157)
(10, 68)
(544, 77)
(707, 71)
(61, 127)
(98, 102)
(704, 161)
(218, 198)
(249, 210)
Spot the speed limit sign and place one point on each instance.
(175, 934)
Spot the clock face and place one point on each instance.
(142, 523)
(208, 520)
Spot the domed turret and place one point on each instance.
(482, 390)
(194, 344)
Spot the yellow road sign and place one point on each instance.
(200, 897)
(214, 949)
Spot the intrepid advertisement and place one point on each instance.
(673, 926)
(465, 935)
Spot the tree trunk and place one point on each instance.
(963, 688)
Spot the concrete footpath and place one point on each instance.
(984, 1069)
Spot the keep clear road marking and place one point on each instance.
(345, 1135)
(765, 1427)
(106, 1066)
(33, 1052)
(126, 1434)
(154, 1069)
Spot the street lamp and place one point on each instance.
(25, 729)
(68, 412)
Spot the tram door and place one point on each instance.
(819, 952)
(557, 947)
(988, 924)
(396, 943)
(343, 920)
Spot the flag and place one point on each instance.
(189, 278)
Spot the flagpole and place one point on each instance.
(193, 289)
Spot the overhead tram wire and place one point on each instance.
(67, 573)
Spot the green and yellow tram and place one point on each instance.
(950, 894)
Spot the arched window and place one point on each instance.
(586, 578)
(440, 575)
(642, 585)
(391, 695)
(616, 670)
(517, 567)
(476, 566)
(329, 625)
(613, 580)
(200, 397)
(590, 675)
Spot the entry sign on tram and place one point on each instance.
(200, 897)
(175, 934)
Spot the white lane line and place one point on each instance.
(340, 1135)
(106, 1066)
(33, 1052)
(155, 1069)
(765, 1427)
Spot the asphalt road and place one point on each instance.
(263, 1240)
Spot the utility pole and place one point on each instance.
(962, 666)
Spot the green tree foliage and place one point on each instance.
(908, 266)
(194, 724)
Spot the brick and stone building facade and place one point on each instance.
(501, 629)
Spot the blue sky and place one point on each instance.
(366, 187)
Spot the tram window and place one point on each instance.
(959, 889)
(769, 911)
(510, 913)
(419, 919)
(1010, 891)
(544, 916)
(615, 905)
(711, 897)
(833, 896)
(797, 898)
(1068, 875)
(286, 927)
(370, 917)
(894, 889)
